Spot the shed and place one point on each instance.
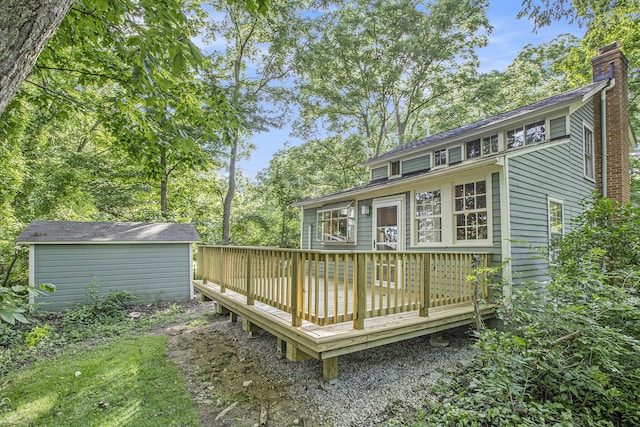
(154, 261)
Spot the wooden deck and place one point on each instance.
(322, 306)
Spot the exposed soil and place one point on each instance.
(225, 377)
(239, 381)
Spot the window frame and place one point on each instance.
(523, 130)
(444, 150)
(349, 218)
(592, 162)
(551, 234)
(488, 206)
(395, 165)
(417, 218)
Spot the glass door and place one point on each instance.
(387, 226)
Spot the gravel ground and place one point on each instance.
(373, 385)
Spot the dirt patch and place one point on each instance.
(230, 385)
(239, 381)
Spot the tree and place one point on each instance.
(256, 60)
(374, 69)
(27, 25)
(536, 73)
(25, 28)
(607, 21)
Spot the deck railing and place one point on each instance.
(329, 287)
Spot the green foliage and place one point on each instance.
(374, 70)
(38, 335)
(13, 300)
(569, 355)
(99, 308)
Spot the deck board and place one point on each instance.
(322, 342)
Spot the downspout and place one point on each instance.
(603, 126)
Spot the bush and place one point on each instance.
(570, 355)
(99, 308)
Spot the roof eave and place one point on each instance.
(398, 182)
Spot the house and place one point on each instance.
(392, 257)
(153, 261)
(502, 186)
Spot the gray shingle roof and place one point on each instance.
(527, 109)
(107, 232)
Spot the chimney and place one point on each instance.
(610, 64)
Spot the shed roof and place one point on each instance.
(48, 232)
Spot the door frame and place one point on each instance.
(397, 201)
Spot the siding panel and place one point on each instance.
(416, 165)
(151, 272)
(558, 127)
(379, 173)
(557, 172)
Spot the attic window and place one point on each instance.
(473, 148)
(395, 168)
(440, 157)
(336, 222)
(526, 135)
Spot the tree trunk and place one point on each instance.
(25, 28)
(164, 186)
(228, 198)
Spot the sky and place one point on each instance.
(508, 38)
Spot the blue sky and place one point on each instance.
(509, 36)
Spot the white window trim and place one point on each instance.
(448, 214)
(524, 125)
(593, 153)
(349, 204)
(489, 200)
(390, 201)
(556, 200)
(443, 224)
(433, 155)
(390, 169)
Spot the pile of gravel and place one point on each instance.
(371, 383)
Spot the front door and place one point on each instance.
(387, 225)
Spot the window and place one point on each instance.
(473, 149)
(440, 157)
(556, 227)
(395, 168)
(589, 165)
(471, 213)
(428, 221)
(336, 223)
(526, 135)
(490, 145)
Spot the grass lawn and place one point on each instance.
(127, 382)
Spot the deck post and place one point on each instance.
(249, 279)
(330, 370)
(221, 278)
(361, 292)
(426, 285)
(294, 299)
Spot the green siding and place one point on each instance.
(558, 127)
(416, 165)
(555, 171)
(379, 173)
(455, 155)
(149, 271)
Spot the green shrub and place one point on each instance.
(570, 355)
(99, 308)
(37, 335)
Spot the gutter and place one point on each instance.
(603, 126)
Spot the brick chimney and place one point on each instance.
(611, 63)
